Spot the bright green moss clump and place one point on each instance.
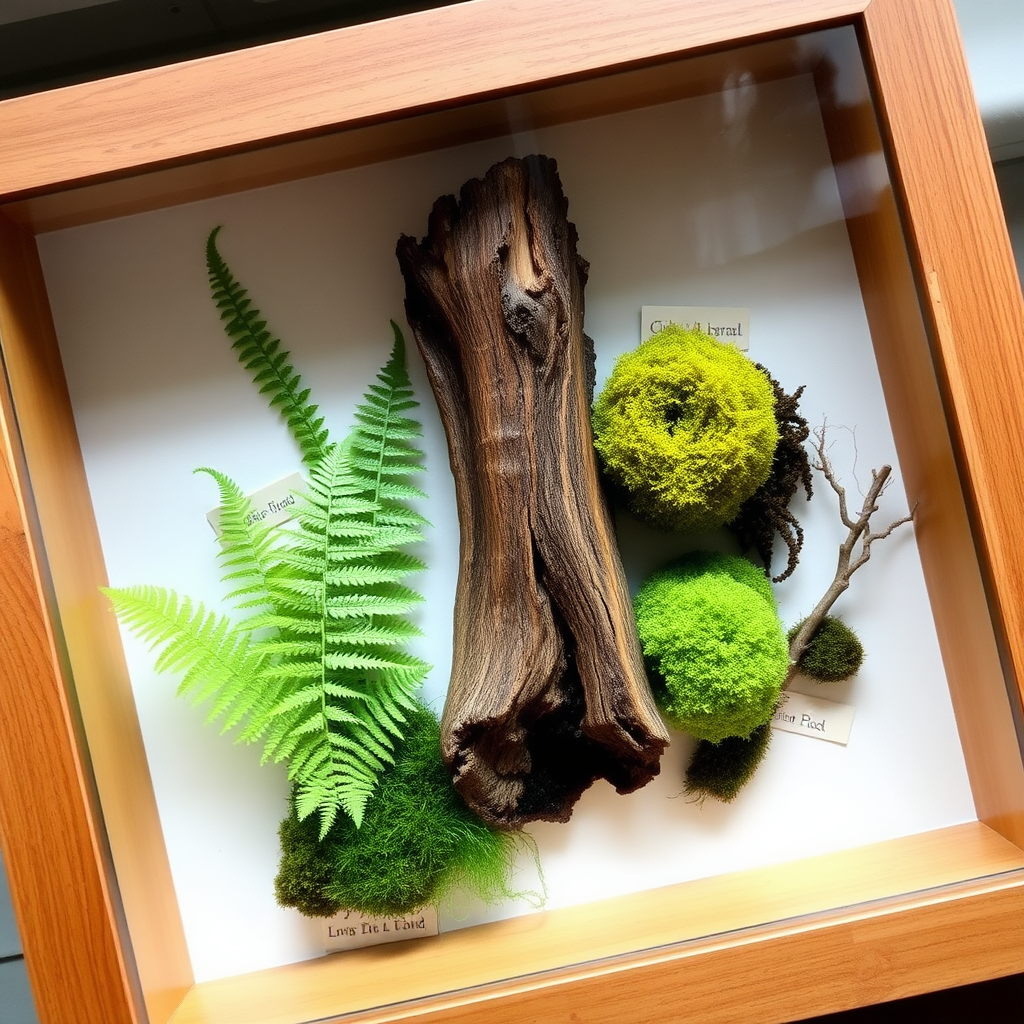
(417, 843)
(686, 427)
(713, 640)
(833, 654)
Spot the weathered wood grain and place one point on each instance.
(548, 691)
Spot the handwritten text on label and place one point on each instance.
(727, 323)
(349, 930)
(814, 717)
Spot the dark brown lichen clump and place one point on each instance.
(766, 513)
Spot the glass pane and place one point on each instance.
(720, 194)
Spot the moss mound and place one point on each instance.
(418, 842)
(740, 570)
(305, 869)
(712, 638)
(686, 427)
(721, 770)
(834, 653)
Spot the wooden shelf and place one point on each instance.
(658, 927)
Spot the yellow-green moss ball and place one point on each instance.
(686, 427)
(714, 642)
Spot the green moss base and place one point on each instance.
(418, 842)
(721, 770)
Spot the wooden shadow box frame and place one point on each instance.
(81, 837)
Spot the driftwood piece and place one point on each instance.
(721, 770)
(548, 691)
(850, 559)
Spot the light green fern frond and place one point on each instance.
(247, 545)
(382, 454)
(348, 685)
(317, 671)
(261, 354)
(215, 658)
(345, 581)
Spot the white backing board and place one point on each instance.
(723, 200)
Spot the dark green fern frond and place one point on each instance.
(261, 354)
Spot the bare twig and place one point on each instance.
(859, 532)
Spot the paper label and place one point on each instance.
(728, 323)
(814, 717)
(349, 930)
(272, 505)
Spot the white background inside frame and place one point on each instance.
(728, 199)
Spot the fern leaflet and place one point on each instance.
(261, 354)
(217, 659)
(340, 722)
(247, 545)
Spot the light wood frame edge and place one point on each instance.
(675, 923)
(51, 829)
(912, 358)
(780, 974)
(964, 264)
(783, 973)
(304, 87)
(953, 298)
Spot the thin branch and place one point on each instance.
(859, 532)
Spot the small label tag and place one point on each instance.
(273, 504)
(349, 930)
(814, 717)
(727, 323)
